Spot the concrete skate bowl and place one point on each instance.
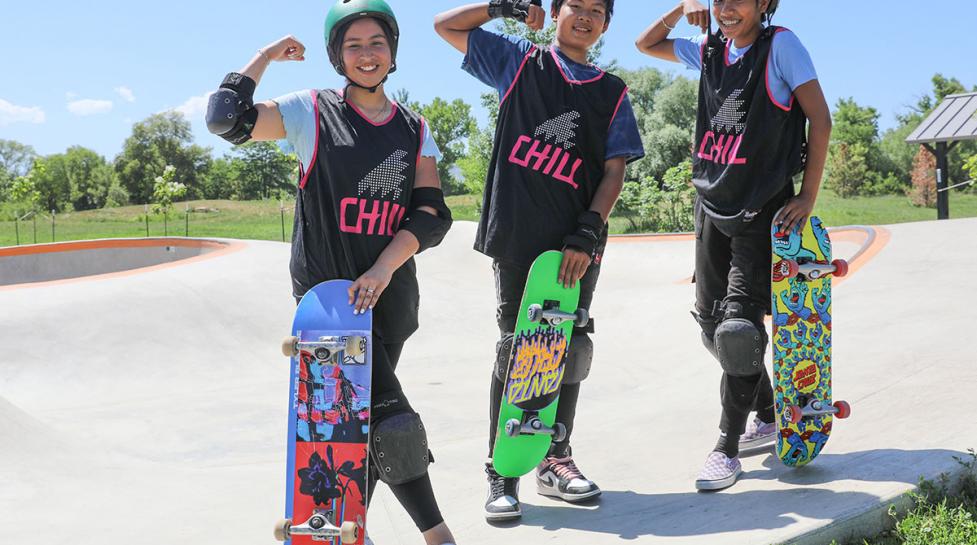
(43, 264)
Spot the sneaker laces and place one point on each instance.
(496, 483)
(565, 468)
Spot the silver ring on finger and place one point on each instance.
(370, 290)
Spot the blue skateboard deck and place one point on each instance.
(328, 419)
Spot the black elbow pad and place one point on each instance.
(429, 229)
(230, 112)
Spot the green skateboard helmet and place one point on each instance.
(344, 12)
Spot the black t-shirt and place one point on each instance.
(351, 202)
(747, 147)
(548, 159)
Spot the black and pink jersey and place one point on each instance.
(748, 145)
(548, 158)
(351, 201)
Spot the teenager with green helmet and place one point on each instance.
(344, 13)
(368, 199)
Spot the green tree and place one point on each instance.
(474, 165)
(855, 155)
(24, 196)
(165, 190)
(16, 160)
(49, 176)
(261, 170)
(219, 181)
(451, 124)
(89, 176)
(847, 169)
(159, 140)
(971, 167)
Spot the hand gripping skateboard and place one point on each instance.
(801, 343)
(544, 326)
(328, 419)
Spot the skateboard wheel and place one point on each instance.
(289, 345)
(355, 346)
(844, 409)
(282, 529)
(583, 317)
(535, 313)
(841, 267)
(794, 414)
(559, 432)
(349, 532)
(792, 268)
(512, 427)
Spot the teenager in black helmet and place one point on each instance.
(757, 92)
(368, 199)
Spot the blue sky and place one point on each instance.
(79, 73)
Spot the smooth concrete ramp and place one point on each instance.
(150, 408)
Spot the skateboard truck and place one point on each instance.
(816, 407)
(534, 426)
(326, 348)
(318, 527)
(812, 270)
(550, 311)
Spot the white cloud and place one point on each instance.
(88, 106)
(125, 93)
(12, 113)
(195, 107)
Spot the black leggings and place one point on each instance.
(510, 282)
(417, 496)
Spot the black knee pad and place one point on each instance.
(580, 355)
(503, 353)
(741, 340)
(399, 449)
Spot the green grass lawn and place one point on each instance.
(262, 220)
(943, 512)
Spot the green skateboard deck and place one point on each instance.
(801, 308)
(544, 326)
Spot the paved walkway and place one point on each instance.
(150, 408)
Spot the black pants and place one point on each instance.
(510, 282)
(733, 268)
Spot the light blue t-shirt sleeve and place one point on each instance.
(791, 63)
(430, 148)
(298, 115)
(689, 51)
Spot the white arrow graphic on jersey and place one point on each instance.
(729, 117)
(387, 177)
(563, 128)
